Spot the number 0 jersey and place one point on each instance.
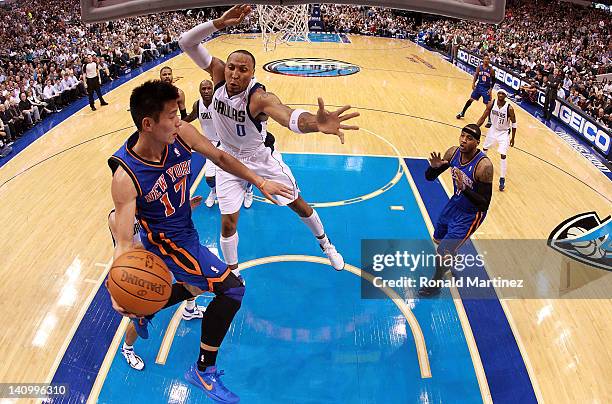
(162, 203)
(241, 134)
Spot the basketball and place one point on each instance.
(140, 282)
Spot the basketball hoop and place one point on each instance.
(282, 24)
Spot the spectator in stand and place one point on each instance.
(51, 97)
(78, 85)
(30, 112)
(61, 91)
(42, 106)
(5, 139)
(69, 88)
(17, 119)
(574, 97)
(6, 124)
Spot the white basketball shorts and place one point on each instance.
(210, 169)
(266, 164)
(499, 137)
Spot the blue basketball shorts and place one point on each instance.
(481, 92)
(454, 227)
(189, 261)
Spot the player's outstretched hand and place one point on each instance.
(195, 201)
(235, 15)
(331, 122)
(436, 161)
(269, 188)
(118, 308)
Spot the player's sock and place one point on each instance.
(206, 359)
(316, 226)
(190, 304)
(229, 248)
(218, 318)
(128, 347)
(466, 106)
(504, 168)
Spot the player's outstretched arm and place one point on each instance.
(486, 113)
(202, 145)
(301, 121)
(191, 41)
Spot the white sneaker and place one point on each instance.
(334, 256)
(212, 197)
(197, 312)
(248, 198)
(132, 359)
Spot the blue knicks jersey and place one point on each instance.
(485, 77)
(468, 169)
(162, 204)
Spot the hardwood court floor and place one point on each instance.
(55, 243)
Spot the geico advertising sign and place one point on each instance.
(594, 133)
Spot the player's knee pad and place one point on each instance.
(232, 287)
(222, 309)
(211, 181)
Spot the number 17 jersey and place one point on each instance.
(162, 203)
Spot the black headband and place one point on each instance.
(472, 132)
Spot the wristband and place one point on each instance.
(293, 121)
(513, 125)
(260, 186)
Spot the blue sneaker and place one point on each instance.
(210, 382)
(141, 327)
(502, 183)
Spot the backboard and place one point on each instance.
(491, 11)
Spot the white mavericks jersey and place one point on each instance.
(499, 116)
(241, 134)
(206, 122)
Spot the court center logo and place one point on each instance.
(585, 238)
(311, 67)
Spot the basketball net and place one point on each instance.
(282, 24)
